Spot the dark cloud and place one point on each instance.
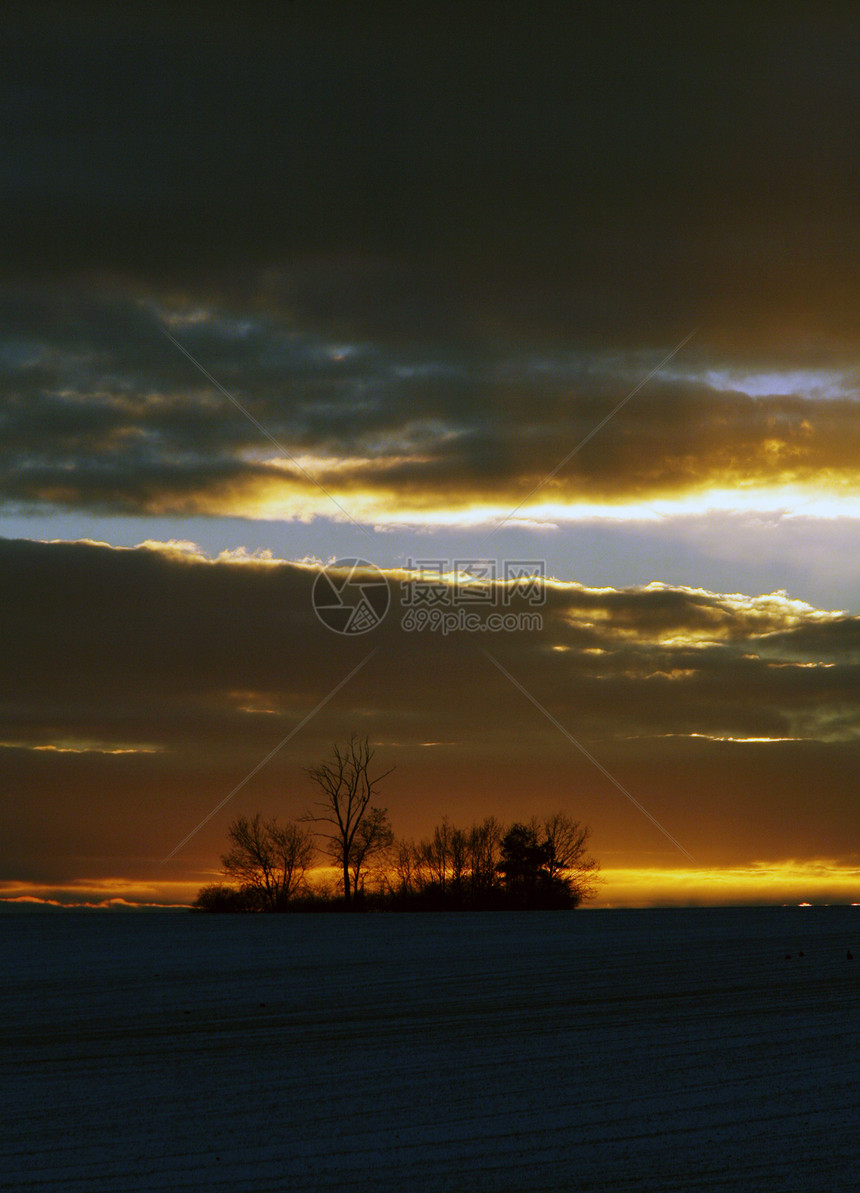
(439, 242)
(615, 170)
(101, 411)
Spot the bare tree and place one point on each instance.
(406, 869)
(567, 857)
(346, 789)
(436, 855)
(459, 852)
(269, 860)
(373, 838)
(483, 851)
(459, 864)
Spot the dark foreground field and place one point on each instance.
(590, 1050)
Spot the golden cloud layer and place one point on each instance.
(257, 416)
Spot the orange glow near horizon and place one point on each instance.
(791, 882)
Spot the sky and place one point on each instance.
(473, 294)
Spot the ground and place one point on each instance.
(684, 1050)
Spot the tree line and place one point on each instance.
(538, 863)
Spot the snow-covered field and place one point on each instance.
(592, 1050)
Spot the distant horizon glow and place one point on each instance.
(790, 882)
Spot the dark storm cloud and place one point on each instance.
(93, 426)
(622, 169)
(440, 242)
(100, 410)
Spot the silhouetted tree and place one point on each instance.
(346, 789)
(373, 838)
(218, 897)
(567, 843)
(524, 860)
(435, 856)
(446, 859)
(268, 860)
(482, 853)
(546, 864)
(404, 879)
(456, 867)
(535, 863)
(401, 881)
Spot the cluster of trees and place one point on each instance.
(533, 864)
(538, 863)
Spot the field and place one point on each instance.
(592, 1050)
